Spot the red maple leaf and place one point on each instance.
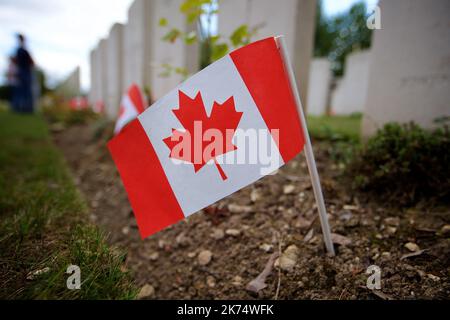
(221, 124)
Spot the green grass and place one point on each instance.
(43, 222)
(335, 127)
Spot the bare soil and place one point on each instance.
(243, 231)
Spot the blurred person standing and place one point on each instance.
(11, 76)
(23, 93)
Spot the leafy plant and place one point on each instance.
(212, 46)
(405, 163)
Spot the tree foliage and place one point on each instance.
(212, 46)
(339, 35)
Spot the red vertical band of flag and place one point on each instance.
(136, 97)
(261, 67)
(143, 176)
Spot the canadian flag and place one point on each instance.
(222, 129)
(131, 106)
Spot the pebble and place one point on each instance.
(218, 234)
(237, 281)
(204, 257)
(445, 229)
(235, 208)
(391, 230)
(161, 243)
(182, 240)
(433, 277)
(266, 247)
(392, 221)
(288, 189)
(232, 232)
(125, 230)
(352, 222)
(302, 223)
(289, 258)
(411, 246)
(211, 281)
(147, 291)
(153, 256)
(340, 239)
(255, 195)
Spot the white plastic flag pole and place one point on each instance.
(311, 162)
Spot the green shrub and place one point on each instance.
(405, 164)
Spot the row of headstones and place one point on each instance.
(135, 52)
(404, 77)
(339, 96)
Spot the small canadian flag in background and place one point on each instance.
(131, 106)
(227, 126)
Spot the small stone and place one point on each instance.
(232, 232)
(411, 246)
(289, 258)
(302, 223)
(147, 291)
(379, 236)
(255, 195)
(218, 234)
(266, 247)
(350, 207)
(126, 230)
(386, 254)
(445, 230)
(161, 244)
(340, 239)
(182, 239)
(352, 222)
(288, 189)
(204, 257)
(391, 230)
(433, 277)
(235, 208)
(153, 256)
(211, 281)
(392, 221)
(309, 235)
(237, 281)
(191, 254)
(346, 215)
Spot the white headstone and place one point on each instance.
(114, 70)
(350, 94)
(94, 93)
(70, 86)
(319, 86)
(136, 44)
(103, 76)
(410, 64)
(295, 19)
(145, 52)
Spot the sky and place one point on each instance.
(61, 33)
